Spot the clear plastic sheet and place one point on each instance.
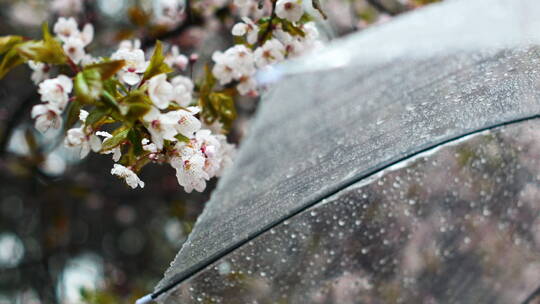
(367, 102)
(456, 224)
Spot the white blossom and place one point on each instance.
(161, 126)
(186, 123)
(271, 52)
(66, 28)
(116, 151)
(189, 165)
(223, 69)
(215, 127)
(129, 176)
(206, 155)
(148, 146)
(129, 45)
(87, 34)
(296, 45)
(83, 115)
(311, 40)
(47, 116)
(89, 59)
(289, 9)
(247, 85)
(76, 137)
(74, 48)
(182, 90)
(168, 12)
(293, 46)
(235, 63)
(39, 71)
(248, 28)
(210, 148)
(56, 90)
(160, 91)
(175, 59)
(135, 64)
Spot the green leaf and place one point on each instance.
(48, 50)
(263, 20)
(220, 106)
(8, 42)
(182, 138)
(136, 110)
(107, 69)
(136, 96)
(135, 105)
(109, 100)
(88, 85)
(73, 111)
(9, 61)
(292, 29)
(224, 104)
(135, 138)
(95, 116)
(116, 140)
(157, 63)
(208, 82)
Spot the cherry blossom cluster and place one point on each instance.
(263, 43)
(156, 110)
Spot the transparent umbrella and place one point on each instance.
(399, 165)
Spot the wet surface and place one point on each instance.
(457, 224)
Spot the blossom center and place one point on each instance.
(156, 124)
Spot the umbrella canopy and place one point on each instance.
(364, 104)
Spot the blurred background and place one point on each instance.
(69, 231)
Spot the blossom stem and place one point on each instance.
(73, 66)
(270, 26)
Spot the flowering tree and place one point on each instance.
(141, 108)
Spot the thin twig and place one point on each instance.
(270, 26)
(380, 7)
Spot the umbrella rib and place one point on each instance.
(534, 295)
